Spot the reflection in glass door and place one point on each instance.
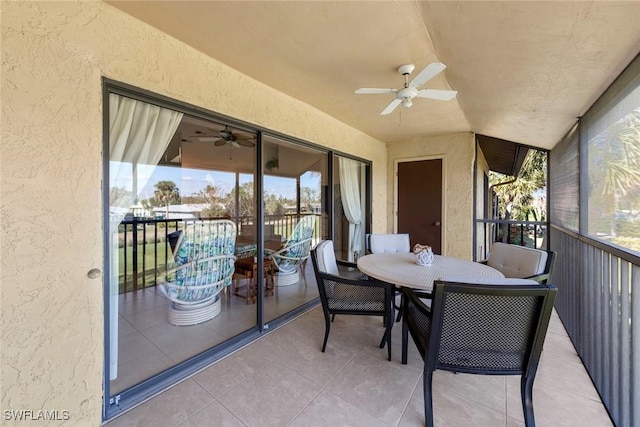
(295, 219)
(181, 208)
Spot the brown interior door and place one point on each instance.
(420, 202)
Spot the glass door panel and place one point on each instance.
(295, 219)
(182, 204)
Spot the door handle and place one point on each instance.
(437, 224)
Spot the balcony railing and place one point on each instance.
(144, 249)
(524, 233)
(598, 302)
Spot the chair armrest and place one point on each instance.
(347, 264)
(423, 294)
(540, 278)
(415, 297)
(278, 253)
(365, 282)
(350, 270)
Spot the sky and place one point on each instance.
(190, 181)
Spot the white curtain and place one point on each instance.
(352, 203)
(139, 133)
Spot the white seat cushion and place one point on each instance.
(517, 261)
(326, 258)
(379, 243)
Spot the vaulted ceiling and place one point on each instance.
(524, 71)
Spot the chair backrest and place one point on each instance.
(517, 261)
(297, 248)
(546, 275)
(488, 329)
(324, 258)
(204, 259)
(303, 230)
(379, 243)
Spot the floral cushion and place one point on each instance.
(297, 248)
(204, 261)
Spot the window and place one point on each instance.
(610, 139)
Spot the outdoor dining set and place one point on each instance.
(487, 318)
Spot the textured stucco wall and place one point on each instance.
(458, 152)
(53, 57)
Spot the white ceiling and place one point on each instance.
(523, 70)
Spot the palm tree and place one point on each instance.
(614, 165)
(166, 192)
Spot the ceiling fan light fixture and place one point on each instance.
(406, 102)
(226, 135)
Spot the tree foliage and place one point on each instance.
(166, 193)
(515, 199)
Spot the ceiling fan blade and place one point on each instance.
(391, 107)
(220, 142)
(208, 138)
(442, 95)
(373, 90)
(245, 142)
(429, 72)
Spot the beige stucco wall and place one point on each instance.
(457, 150)
(54, 55)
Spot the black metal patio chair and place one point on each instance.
(496, 329)
(350, 292)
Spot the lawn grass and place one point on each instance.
(152, 252)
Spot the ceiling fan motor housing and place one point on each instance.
(406, 69)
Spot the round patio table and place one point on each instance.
(401, 269)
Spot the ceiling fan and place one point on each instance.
(410, 90)
(225, 136)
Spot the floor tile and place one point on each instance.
(213, 415)
(380, 388)
(274, 396)
(168, 409)
(327, 409)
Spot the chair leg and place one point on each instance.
(400, 308)
(405, 342)
(526, 389)
(428, 402)
(386, 338)
(388, 333)
(327, 326)
(333, 317)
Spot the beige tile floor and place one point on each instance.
(148, 344)
(283, 379)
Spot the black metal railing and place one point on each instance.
(531, 234)
(144, 244)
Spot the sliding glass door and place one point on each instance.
(173, 180)
(208, 230)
